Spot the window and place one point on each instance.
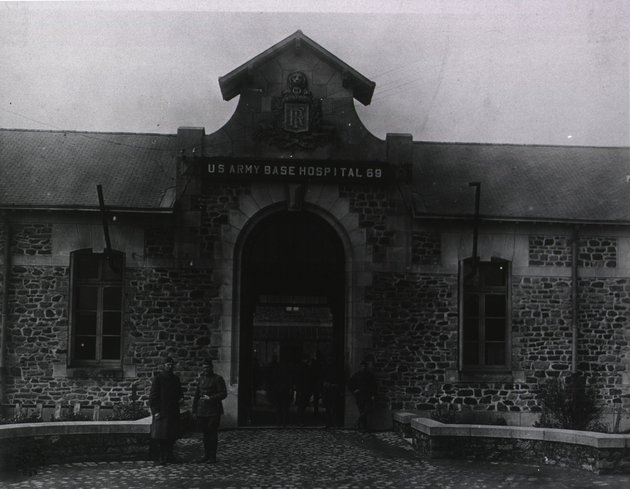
(485, 312)
(97, 291)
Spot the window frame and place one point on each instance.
(100, 283)
(483, 291)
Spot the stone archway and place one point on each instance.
(263, 201)
(292, 314)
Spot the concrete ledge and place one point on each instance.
(10, 431)
(29, 445)
(404, 417)
(596, 452)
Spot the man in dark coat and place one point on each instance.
(207, 408)
(164, 397)
(363, 386)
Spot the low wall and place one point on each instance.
(596, 452)
(26, 446)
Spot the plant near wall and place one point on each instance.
(22, 418)
(129, 411)
(568, 403)
(444, 414)
(72, 416)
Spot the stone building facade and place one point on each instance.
(293, 206)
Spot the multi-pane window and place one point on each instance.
(485, 314)
(97, 292)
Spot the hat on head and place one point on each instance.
(169, 360)
(208, 362)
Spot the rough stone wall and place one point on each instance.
(604, 340)
(415, 330)
(37, 332)
(541, 326)
(593, 251)
(487, 396)
(170, 313)
(597, 252)
(3, 244)
(549, 251)
(414, 327)
(32, 239)
(38, 340)
(542, 322)
(373, 205)
(426, 248)
(214, 205)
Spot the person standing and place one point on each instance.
(280, 388)
(207, 408)
(331, 389)
(363, 385)
(303, 387)
(164, 397)
(317, 382)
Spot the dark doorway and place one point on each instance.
(291, 322)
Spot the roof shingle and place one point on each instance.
(528, 182)
(59, 169)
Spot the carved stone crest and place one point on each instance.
(296, 121)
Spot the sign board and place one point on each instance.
(294, 170)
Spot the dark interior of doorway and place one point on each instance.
(292, 308)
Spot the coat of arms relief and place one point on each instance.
(296, 121)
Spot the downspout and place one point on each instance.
(475, 252)
(5, 311)
(574, 298)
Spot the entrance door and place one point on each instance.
(291, 320)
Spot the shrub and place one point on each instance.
(21, 418)
(128, 412)
(568, 403)
(72, 416)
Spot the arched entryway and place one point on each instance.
(292, 309)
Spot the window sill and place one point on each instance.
(94, 371)
(498, 375)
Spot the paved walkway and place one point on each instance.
(310, 458)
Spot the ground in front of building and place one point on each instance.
(310, 458)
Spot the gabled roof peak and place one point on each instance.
(233, 83)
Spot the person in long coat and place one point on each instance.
(363, 385)
(207, 408)
(164, 398)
